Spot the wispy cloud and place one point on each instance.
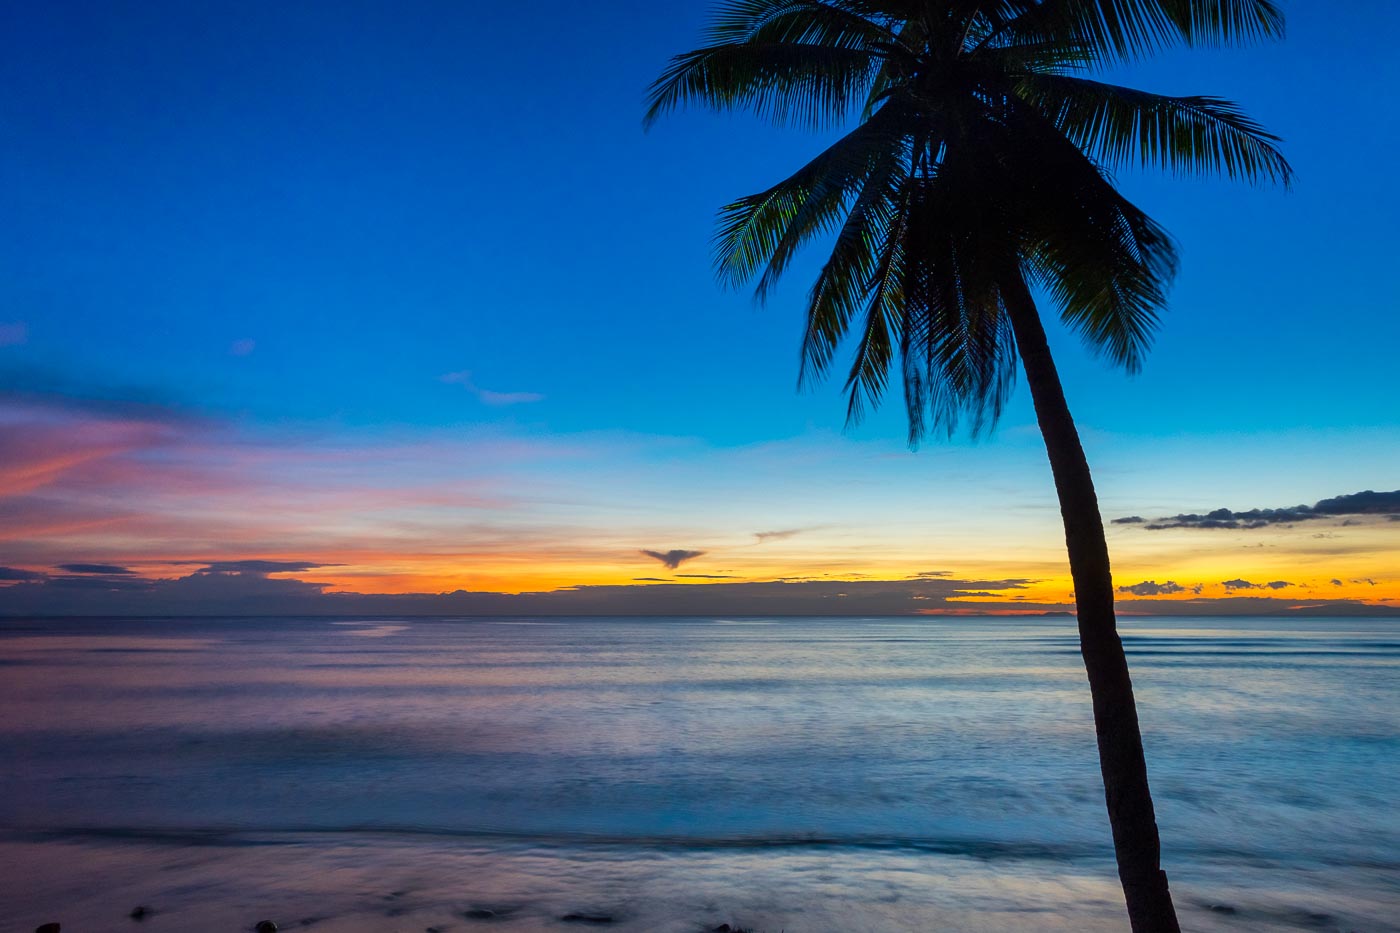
(489, 396)
(765, 536)
(242, 347)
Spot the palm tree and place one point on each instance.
(973, 180)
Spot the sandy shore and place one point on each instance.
(389, 884)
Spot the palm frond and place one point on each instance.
(1224, 22)
(764, 230)
(1188, 135)
(850, 274)
(870, 370)
(833, 23)
(1107, 264)
(1129, 29)
(785, 82)
(958, 353)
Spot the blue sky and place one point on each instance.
(299, 218)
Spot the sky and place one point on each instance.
(302, 301)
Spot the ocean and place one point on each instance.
(675, 774)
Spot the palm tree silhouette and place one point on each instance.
(975, 176)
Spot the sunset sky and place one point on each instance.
(329, 294)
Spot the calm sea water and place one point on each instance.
(673, 774)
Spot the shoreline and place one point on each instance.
(331, 883)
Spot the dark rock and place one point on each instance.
(586, 918)
(265, 926)
(140, 912)
(48, 928)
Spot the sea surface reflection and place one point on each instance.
(673, 774)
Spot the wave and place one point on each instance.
(980, 849)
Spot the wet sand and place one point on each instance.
(400, 884)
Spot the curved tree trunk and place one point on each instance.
(1115, 714)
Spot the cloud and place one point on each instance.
(1152, 588)
(1232, 585)
(1336, 582)
(254, 593)
(673, 558)
(13, 334)
(1359, 503)
(103, 583)
(242, 347)
(14, 573)
(258, 568)
(765, 536)
(103, 569)
(487, 396)
(204, 593)
(707, 576)
(1279, 584)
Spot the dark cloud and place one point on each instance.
(765, 536)
(104, 569)
(673, 558)
(258, 568)
(1152, 588)
(113, 583)
(203, 593)
(1336, 582)
(1279, 584)
(257, 594)
(1232, 585)
(14, 573)
(707, 576)
(1360, 503)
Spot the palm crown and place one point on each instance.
(976, 167)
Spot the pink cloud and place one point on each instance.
(120, 484)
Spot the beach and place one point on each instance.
(679, 774)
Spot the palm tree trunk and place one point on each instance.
(1121, 759)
